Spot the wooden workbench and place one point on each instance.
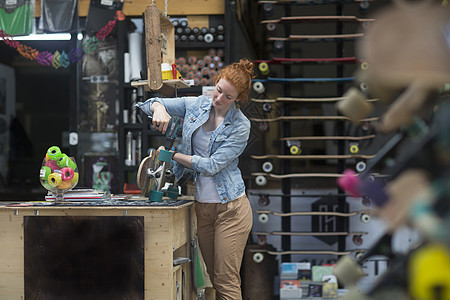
(168, 231)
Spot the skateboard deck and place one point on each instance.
(321, 138)
(312, 252)
(318, 157)
(299, 19)
(317, 37)
(145, 181)
(304, 80)
(293, 233)
(294, 99)
(317, 118)
(298, 175)
(313, 213)
(308, 1)
(278, 60)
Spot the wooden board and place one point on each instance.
(168, 233)
(300, 19)
(315, 118)
(136, 8)
(316, 156)
(318, 37)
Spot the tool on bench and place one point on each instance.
(153, 170)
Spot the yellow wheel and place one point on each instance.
(354, 149)
(264, 68)
(364, 65)
(294, 150)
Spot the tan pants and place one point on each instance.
(223, 231)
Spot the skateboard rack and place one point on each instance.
(287, 63)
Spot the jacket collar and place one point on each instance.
(206, 106)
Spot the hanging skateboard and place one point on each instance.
(321, 19)
(304, 80)
(313, 118)
(317, 37)
(279, 60)
(258, 255)
(298, 99)
(308, 1)
(263, 215)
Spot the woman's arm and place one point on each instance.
(180, 158)
(161, 118)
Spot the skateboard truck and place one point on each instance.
(153, 169)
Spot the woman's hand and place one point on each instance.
(161, 118)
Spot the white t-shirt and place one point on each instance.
(205, 188)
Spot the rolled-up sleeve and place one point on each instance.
(174, 106)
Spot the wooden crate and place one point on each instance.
(168, 232)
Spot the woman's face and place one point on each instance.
(224, 94)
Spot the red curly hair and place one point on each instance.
(240, 76)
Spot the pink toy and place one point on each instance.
(350, 182)
(67, 173)
(52, 164)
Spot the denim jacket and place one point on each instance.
(227, 142)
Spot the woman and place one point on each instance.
(215, 133)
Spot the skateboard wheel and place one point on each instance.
(263, 126)
(67, 173)
(278, 46)
(355, 105)
(75, 177)
(364, 65)
(360, 166)
(262, 240)
(267, 167)
(359, 256)
(267, 107)
(349, 182)
(264, 68)
(172, 192)
(294, 150)
(165, 155)
(155, 196)
(271, 28)
(365, 218)
(258, 257)
(208, 38)
(54, 153)
(45, 171)
(54, 179)
(268, 9)
(364, 5)
(52, 164)
(260, 180)
(263, 201)
(64, 185)
(357, 240)
(263, 218)
(65, 161)
(347, 271)
(364, 86)
(365, 201)
(365, 126)
(429, 270)
(354, 149)
(259, 87)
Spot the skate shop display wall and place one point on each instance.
(318, 125)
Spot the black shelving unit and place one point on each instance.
(151, 137)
